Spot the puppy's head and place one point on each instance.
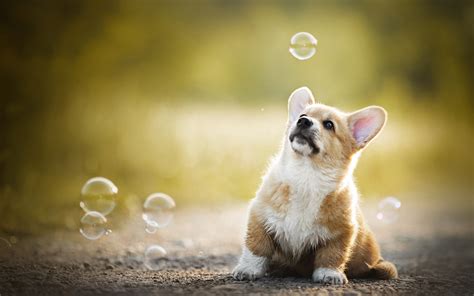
(326, 135)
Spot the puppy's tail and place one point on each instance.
(384, 270)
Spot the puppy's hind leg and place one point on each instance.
(366, 261)
(384, 270)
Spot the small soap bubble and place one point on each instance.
(154, 256)
(93, 225)
(99, 194)
(5, 245)
(6, 249)
(150, 229)
(13, 240)
(158, 210)
(389, 210)
(303, 45)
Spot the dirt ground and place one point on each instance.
(432, 246)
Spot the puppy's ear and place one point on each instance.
(366, 123)
(299, 99)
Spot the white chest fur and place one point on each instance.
(296, 225)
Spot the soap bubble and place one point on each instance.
(93, 225)
(13, 239)
(158, 210)
(5, 247)
(389, 210)
(303, 45)
(98, 194)
(154, 256)
(150, 229)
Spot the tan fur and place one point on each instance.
(335, 214)
(258, 240)
(280, 198)
(351, 247)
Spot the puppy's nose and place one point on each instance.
(304, 122)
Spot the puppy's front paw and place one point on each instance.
(247, 272)
(329, 276)
(250, 266)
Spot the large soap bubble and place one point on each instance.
(158, 211)
(99, 195)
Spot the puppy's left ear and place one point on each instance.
(299, 99)
(366, 123)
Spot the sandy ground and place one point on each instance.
(433, 247)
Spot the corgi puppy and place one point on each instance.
(306, 215)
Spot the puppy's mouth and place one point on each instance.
(304, 138)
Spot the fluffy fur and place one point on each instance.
(306, 215)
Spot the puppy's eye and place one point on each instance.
(328, 124)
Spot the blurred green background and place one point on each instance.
(189, 97)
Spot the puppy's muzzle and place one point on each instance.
(303, 132)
